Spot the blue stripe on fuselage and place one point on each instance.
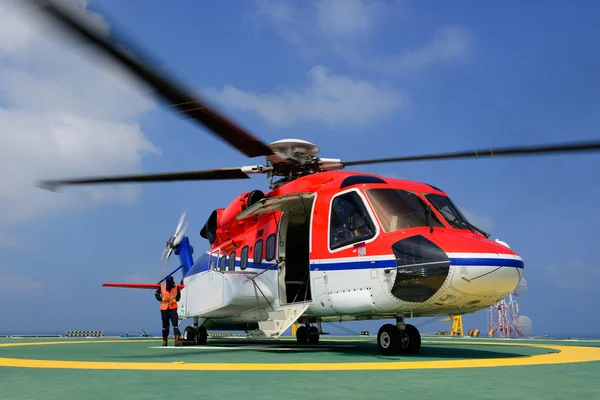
(368, 264)
(201, 264)
(487, 262)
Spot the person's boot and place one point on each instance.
(177, 342)
(165, 342)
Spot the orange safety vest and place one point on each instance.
(168, 298)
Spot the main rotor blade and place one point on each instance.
(507, 151)
(192, 106)
(215, 174)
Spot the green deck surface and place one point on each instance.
(561, 381)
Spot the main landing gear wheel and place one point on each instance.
(302, 335)
(388, 340)
(201, 336)
(189, 336)
(411, 343)
(193, 336)
(393, 341)
(313, 335)
(307, 335)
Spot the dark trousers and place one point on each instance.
(171, 315)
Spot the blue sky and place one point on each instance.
(366, 80)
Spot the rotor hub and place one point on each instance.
(294, 148)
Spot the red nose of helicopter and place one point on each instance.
(457, 268)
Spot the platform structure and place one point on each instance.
(457, 325)
(503, 318)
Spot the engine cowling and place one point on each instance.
(209, 230)
(238, 205)
(222, 220)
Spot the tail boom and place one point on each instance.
(137, 285)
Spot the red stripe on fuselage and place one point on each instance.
(137, 285)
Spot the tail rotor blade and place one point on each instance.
(180, 235)
(168, 256)
(162, 255)
(180, 222)
(165, 264)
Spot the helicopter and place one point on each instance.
(323, 244)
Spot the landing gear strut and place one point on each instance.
(398, 339)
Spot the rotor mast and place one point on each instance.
(295, 158)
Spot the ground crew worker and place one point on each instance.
(168, 294)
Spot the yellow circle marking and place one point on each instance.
(567, 354)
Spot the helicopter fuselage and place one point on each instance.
(347, 246)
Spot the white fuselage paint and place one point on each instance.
(350, 294)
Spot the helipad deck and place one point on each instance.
(348, 368)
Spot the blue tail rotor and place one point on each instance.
(180, 245)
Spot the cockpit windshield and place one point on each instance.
(445, 206)
(399, 209)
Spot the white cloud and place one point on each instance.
(483, 222)
(347, 27)
(336, 19)
(447, 45)
(348, 18)
(284, 20)
(329, 98)
(61, 114)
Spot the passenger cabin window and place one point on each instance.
(244, 258)
(349, 222)
(223, 263)
(270, 255)
(400, 209)
(232, 261)
(258, 252)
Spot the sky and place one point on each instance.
(361, 79)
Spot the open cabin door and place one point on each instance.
(293, 243)
(296, 202)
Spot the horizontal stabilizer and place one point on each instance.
(138, 285)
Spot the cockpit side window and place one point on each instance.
(349, 221)
(449, 211)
